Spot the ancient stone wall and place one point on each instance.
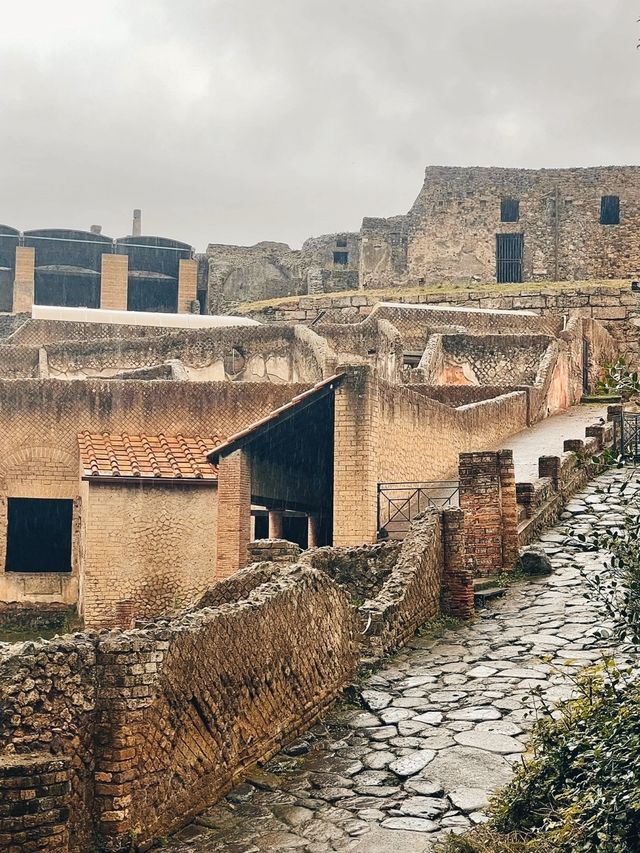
(450, 232)
(615, 306)
(48, 701)
(157, 723)
(148, 548)
(247, 354)
(267, 270)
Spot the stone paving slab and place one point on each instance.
(439, 727)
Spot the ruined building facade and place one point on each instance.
(467, 224)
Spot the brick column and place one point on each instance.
(234, 513)
(114, 282)
(457, 581)
(24, 283)
(187, 285)
(597, 432)
(34, 803)
(481, 502)
(509, 507)
(355, 459)
(549, 466)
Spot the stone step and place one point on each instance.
(482, 596)
(487, 582)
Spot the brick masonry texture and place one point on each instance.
(161, 559)
(157, 723)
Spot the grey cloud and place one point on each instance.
(241, 120)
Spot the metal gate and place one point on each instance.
(627, 435)
(400, 503)
(586, 357)
(509, 252)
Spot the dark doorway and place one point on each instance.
(68, 289)
(39, 535)
(509, 252)
(152, 294)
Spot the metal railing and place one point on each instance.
(626, 435)
(400, 503)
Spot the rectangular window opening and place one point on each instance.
(341, 243)
(509, 210)
(39, 535)
(610, 210)
(341, 259)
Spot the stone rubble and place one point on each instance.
(441, 725)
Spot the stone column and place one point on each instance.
(313, 530)
(24, 282)
(187, 284)
(234, 513)
(275, 524)
(114, 282)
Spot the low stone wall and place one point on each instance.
(26, 616)
(156, 723)
(614, 304)
(541, 501)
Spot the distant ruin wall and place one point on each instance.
(615, 306)
(450, 232)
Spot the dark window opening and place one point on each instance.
(341, 243)
(152, 295)
(67, 289)
(610, 210)
(341, 259)
(509, 252)
(39, 535)
(509, 210)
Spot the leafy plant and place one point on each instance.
(620, 379)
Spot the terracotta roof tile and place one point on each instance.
(146, 456)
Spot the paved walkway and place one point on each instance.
(546, 438)
(439, 727)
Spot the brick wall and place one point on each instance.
(151, 726)
(114, 282)
(488, 500)
(150, 544)
(386, 433)
(39, 422)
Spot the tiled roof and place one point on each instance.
(143, 456)
(276, 416)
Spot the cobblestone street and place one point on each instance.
(440, 724)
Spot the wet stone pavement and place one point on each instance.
(440, 726)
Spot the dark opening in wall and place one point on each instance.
(68, 287)
(147, 293)
(610, 210)
(341, 259)
(509, 210)
(39, 535)
(341, 243)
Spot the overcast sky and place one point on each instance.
(245, 120)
